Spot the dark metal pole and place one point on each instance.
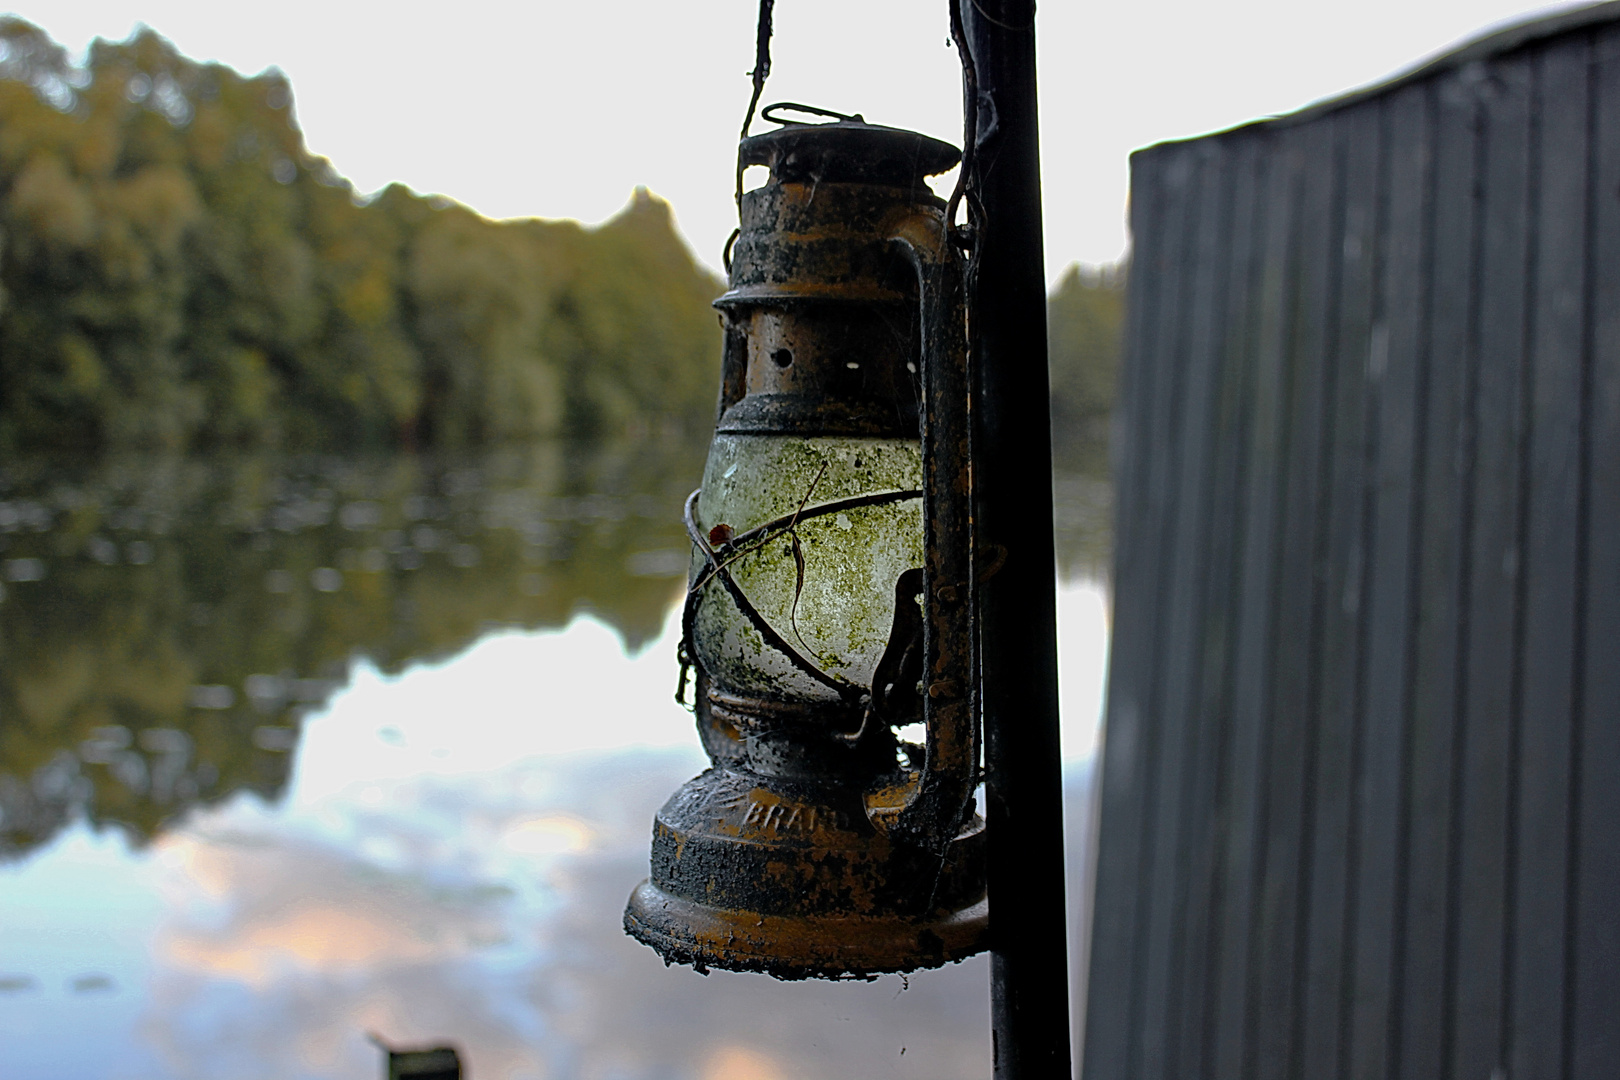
(1013, 474)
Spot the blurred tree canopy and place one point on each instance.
(1085, 318)
(178, 270)
(1085, 321)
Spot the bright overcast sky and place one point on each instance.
(559, 109)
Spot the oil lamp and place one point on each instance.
(830, 600)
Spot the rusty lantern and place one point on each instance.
(829, 605)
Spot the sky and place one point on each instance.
(554, 109)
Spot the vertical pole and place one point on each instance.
(1018, 606)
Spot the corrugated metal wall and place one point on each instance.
(1360, 813)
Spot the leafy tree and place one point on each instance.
(178, 270)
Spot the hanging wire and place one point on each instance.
(762, 61)
(970, 136)
(761, 72)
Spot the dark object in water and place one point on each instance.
(430, 1063)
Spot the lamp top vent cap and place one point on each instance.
(848, 151)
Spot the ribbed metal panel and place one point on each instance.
(1360, 810)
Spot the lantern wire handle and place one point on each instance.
(772, 113)
(761, 72)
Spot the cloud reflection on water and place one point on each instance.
(448, 862)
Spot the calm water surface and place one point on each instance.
(293, 751)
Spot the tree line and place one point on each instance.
(177, 270)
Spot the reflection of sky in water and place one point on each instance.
(449, 862)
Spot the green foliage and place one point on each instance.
(177, 269)
(1084, 322)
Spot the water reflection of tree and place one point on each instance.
(167, 622)
(1084, 507)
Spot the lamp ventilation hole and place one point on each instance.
(782, 358)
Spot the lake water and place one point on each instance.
(297, 751)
